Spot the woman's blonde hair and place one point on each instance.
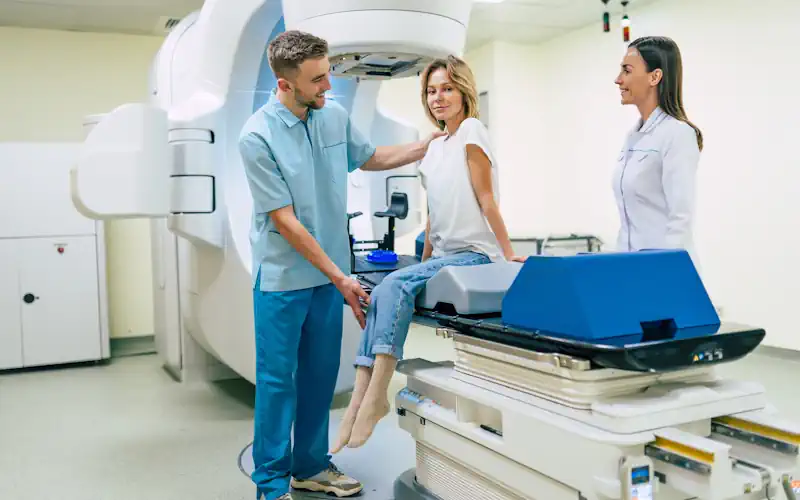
(459, 72)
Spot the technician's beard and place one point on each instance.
(308, 103)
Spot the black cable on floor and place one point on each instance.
(239, 458)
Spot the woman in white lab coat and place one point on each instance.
(654, 181)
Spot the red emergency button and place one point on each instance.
(60, 249)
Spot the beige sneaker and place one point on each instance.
(334, 483)
(287, 496)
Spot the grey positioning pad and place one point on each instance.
(469, 289)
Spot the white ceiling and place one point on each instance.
(534, 21)
(524, 21)
(146, 17)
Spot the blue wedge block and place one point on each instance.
(602, 296)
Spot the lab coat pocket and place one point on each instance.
(645, 155)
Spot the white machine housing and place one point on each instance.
(504, 423)
(175, 159)
(381, 40)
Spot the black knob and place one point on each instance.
(29, 298)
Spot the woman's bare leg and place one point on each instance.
(375, 404)
(363, 375)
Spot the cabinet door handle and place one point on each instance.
(28, 298)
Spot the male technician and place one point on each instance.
(297, 152)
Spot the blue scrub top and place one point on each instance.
(289, 161)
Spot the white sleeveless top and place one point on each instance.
(457, 222)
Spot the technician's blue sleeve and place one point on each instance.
(267, 185)
(359, 149)
(679, 178)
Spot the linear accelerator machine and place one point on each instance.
(556, 393)
(175, 160)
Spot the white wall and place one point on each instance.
(562, 127)
(50, 81)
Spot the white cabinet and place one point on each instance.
(49, 302)
(53, 306)
(10, 308)
(60, 309)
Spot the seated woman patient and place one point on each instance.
(465, 228)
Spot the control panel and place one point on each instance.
(637, 479)
(708, 354)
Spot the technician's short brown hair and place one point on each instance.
(291, 48)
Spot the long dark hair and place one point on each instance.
(660, 52)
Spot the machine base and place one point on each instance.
(406, 487)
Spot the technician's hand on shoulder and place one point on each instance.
(434, 135)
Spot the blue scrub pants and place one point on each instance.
(298, 347)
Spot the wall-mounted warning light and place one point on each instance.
(626, 28)
(626, 22)
(606, 18)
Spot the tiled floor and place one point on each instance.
(127, 431)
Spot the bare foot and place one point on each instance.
(370, 413)
(363, 377)
(346, 428)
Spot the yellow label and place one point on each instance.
(761, 430)
(686, 451)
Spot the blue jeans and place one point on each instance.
(392, 305)
(298, 347)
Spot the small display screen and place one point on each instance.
(640, 475)
(640, 480)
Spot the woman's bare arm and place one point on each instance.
(480, 170)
